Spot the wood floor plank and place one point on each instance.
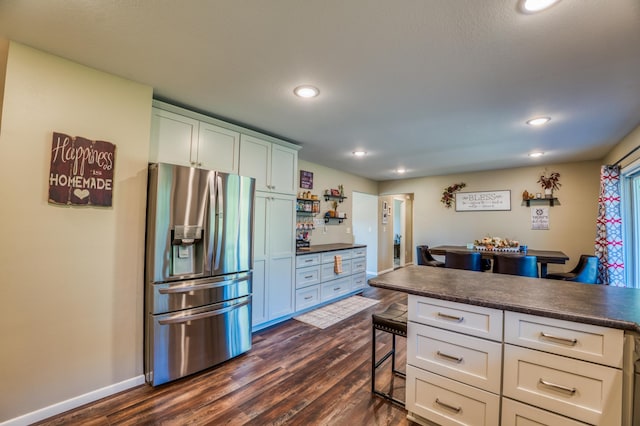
(295, 374)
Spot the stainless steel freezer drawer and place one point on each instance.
(185, 342)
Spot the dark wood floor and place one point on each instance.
(295, 374)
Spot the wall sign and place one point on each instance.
(540, 218)
(306, 179)
(81, 171)
(483, 201)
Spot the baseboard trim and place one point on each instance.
(75, 402)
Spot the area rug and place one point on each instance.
(335, 312)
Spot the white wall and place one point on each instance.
(365, 226)
(72, 277)
(572, 223)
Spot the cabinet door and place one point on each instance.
(281, 243)
(259, 301)
(260, 264)
(173, 138)
(281, 291)
(255, 157)
(284, 166)
(218, 148)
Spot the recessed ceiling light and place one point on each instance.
(401, 171)
(539, 121)
(536, 154)
(306, 91)
(532, 6)
(359, 153)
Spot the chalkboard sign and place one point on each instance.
(81, 171)
(306, 179)
(483, 201)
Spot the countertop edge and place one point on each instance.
(593, 320)
(323, 248)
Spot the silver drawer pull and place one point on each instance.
(450, 317)
(449, 406)
(308, 260)
(450, 357)
(308, 298)
(566, 389)
(563, 340)
(309, 276)
(337, 288)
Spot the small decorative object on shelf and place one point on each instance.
(497, 244)
(447, 195)
(334, 194)
(526, 195)
(549, 183)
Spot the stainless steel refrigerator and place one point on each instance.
(198, 270)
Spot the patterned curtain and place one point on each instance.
(609, 229)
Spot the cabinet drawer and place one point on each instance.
(469, 319)
(518, 414)
(358, 281)
(584, 391)
(447, 402)
(327, 257)
(583, 341)
(307, 260)
(335, 288)
(327, 272)
(307, 297)
(358, 265)
(359, 252)
(471, 360)
(307, 276)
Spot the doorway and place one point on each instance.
(365, 227)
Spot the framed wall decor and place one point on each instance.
(385, 212)
(306, 179)
(483, 201)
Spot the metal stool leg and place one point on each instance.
(375, 364)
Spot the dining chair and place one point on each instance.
(585, 271)
(525, 266)
(424, 257)
(463, 260)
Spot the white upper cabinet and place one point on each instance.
(273, 166)
(185, 141)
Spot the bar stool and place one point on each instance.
(394, 321)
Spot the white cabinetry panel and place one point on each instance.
(273, 166)
(448, 402)
(584, 391)
(584, 341)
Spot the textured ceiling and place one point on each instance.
(433, 86)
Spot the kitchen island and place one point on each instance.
(489, 348)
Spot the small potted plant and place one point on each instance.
(549, 183)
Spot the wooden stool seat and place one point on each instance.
(394, 321)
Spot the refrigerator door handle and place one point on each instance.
(189, 288)
(194, 317)
(219, 221)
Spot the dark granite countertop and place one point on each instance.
(320, 248)
(602, 305)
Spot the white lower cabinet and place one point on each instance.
(318, 282)
(518, 414)
(435, 398)
(542, 372)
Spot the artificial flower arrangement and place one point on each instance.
(447, 195)
(551, 181)
(497, 244)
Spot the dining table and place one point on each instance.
(544, 256)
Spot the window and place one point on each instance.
(631, 220)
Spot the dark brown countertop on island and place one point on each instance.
(321, 248)
(602, 305)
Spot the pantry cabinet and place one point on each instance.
(186, 141)
(272, 165)
(274, 257)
